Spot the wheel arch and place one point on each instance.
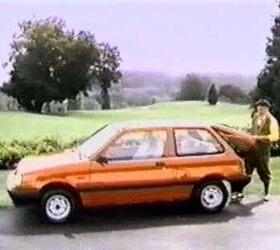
(214, 178)
(210, 177)
(61, 185)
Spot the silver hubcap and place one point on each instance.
(211, 197)
(58, 207)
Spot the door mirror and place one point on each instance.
(102, 160)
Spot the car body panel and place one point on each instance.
(48, 161)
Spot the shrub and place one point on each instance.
(137, 97)
(213, 95)
(234, 94)
(8, 103)
(13, 151)
(193, 87)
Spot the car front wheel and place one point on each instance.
(57, 206)
(213, 196)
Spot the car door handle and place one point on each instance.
(160, 164)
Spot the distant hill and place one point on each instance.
(140, 79)
(245, 82)
(166, 83)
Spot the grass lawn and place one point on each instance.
(254, 188)
(26, 125)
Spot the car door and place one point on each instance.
(135, 171)
(200, 153)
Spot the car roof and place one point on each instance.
(142, 124)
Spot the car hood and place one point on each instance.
(31, 164)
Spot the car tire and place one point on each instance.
(212, 196)
(58, 206)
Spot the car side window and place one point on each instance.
(193, 141)
(137, 145)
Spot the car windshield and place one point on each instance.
(97, 140)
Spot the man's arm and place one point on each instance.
(274, 130)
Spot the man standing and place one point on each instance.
(265, 130)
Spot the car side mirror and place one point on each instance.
(102, 160)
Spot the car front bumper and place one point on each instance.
(20, 199)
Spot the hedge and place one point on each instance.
(12, 151)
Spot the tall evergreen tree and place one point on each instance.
(213, 95)
(268, 85)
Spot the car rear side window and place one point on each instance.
(192, 141)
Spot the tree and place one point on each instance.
(49, 62)
(268, 85)
(233, 93)
(193, 87)
(213, 95)
(106, 71)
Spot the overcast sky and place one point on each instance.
(174, 37)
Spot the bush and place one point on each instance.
(193, 87)
(13, 151)
(137, 97)
(213, 95)
(8, 103)
(234, 94)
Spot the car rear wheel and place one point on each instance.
(212, 196)
(58, 205)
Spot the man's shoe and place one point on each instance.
(236, 197)
(240, 196)
(266, 197)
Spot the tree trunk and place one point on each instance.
(105, 98)
(37, 107)
(29, 106)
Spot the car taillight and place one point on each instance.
(241, 165)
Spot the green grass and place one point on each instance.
(27, 125)
(254, 188)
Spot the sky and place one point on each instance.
(174, 37)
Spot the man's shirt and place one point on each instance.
(267, 126)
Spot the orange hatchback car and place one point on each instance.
(137, 162)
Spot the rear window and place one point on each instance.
(192, 141)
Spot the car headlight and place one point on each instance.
(14, 180)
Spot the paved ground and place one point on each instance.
(250, 225)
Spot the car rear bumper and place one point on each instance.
(238, 185)
(23, 198)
